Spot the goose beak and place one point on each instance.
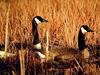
(91, 30)
(45, 20)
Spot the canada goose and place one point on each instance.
(81, 40)
(36, 41)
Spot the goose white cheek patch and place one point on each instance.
(41, 55)
(83, 30)
(37, 46)
(37, 20)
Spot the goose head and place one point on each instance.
(81, 36)
(85, 29)
(38, 19)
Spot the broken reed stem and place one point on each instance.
(76, 68)
(34, 65)
(78, 64)
(6, 31)
(22, 61)
(13, 73)
(27, 56)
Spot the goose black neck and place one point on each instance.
(34, 26)
(35, 33)
(81, 40)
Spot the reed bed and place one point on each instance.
(61, 32)
(65, 18)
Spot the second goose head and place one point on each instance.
(36, 41)
(81, 36)
(85, 28)
(38, 19)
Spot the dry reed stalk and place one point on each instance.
(6, 30)
(47, 44)
(13, 73)
(76, 68)
(34, 66)
(22, 61)
(67, 72)
(27, 52)
(78, 64)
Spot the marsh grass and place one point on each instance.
(65, 18)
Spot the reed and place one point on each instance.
(65, 18)
(6, 31)
(47, 44)
(22, 62)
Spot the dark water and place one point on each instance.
(51, 68)
(41, 69)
